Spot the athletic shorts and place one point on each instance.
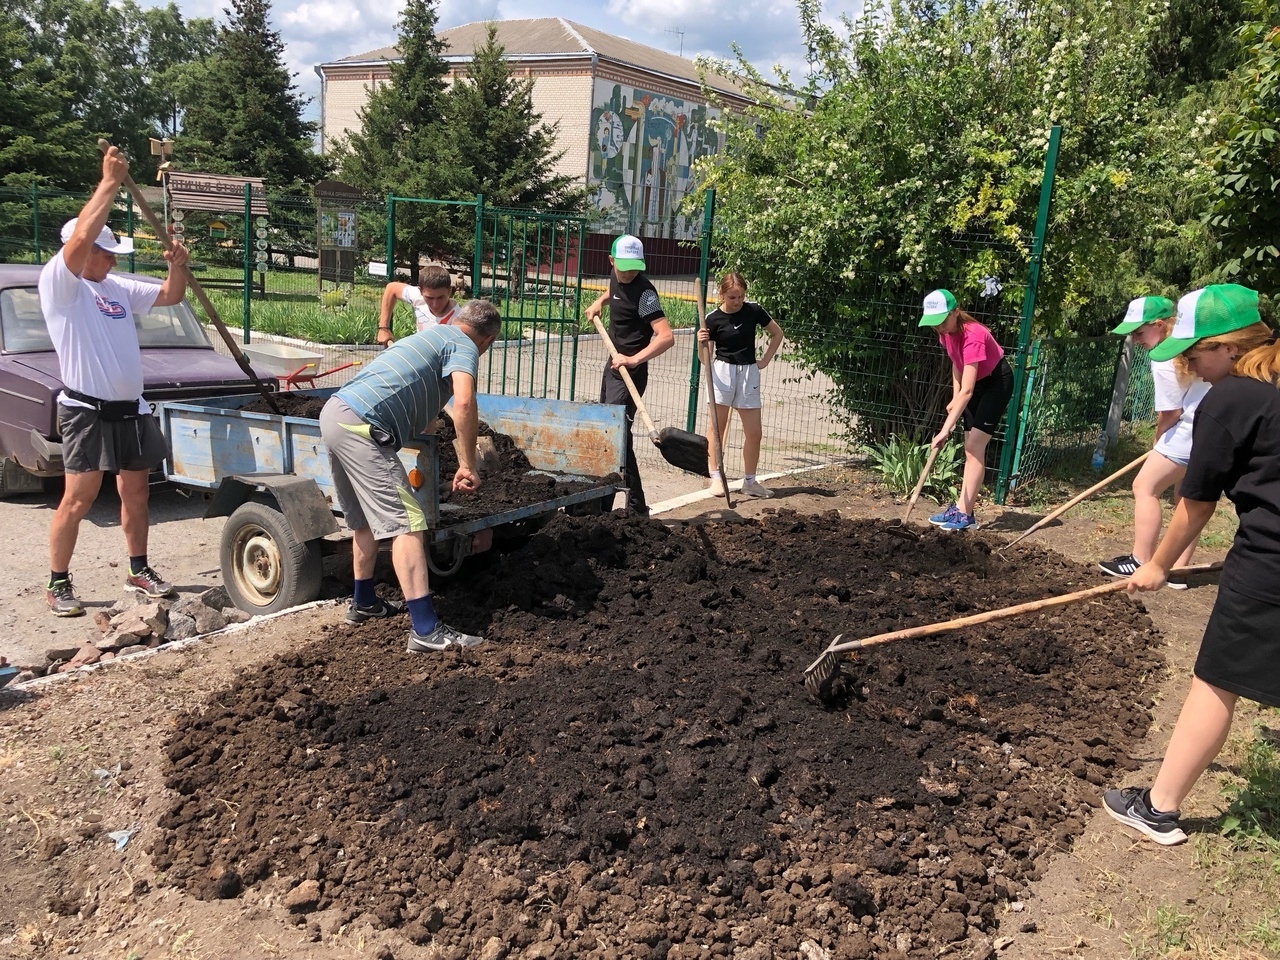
(991, 395)
(371, 483)
(736, 385)
(1240, 651)
(90, 444)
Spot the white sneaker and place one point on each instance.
(716, 485)
(753, 488)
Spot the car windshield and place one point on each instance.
(23, 330)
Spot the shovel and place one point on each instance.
(162, 235)
(680, 448)
(819, 674)
(1072, 502)
(899, 528)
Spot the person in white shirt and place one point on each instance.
(431, 299)
(1148, 321)
(104, 422)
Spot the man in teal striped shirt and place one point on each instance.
(396, 397)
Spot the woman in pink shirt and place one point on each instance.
(981, 385)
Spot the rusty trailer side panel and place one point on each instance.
(559, 436)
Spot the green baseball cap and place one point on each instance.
(1142, 311)
(937, 307)
(628, 253)
(1211, 312)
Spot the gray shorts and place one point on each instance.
(371, 483)
(91, 444)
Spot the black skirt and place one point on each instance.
(1240, 652)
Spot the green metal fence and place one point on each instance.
(306, 277)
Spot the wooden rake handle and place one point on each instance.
(1004, 613)
(924, 475)
(162, 234)
(626, 378)
(1074, 500)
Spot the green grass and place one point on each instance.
(349, 315)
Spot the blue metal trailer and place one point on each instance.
(269, 475)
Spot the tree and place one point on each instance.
(912, 160)
(405, 145)
(176, 50)
(247, 119)
(40, 142)
(1244, 218)
(510, 151)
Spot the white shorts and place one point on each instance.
(736, 385)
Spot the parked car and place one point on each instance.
(178, 363)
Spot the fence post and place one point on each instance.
(248, 254)
(704, 269)
(477, 249)
(35, 220)
(1119, 390)
(391, 237)
(1015, 417)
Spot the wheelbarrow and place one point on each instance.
(292, 366)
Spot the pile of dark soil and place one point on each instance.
(631, 767)
(508, 485)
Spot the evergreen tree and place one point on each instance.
(248, 118)
(40, 142)
(405, 146)
(510, 151)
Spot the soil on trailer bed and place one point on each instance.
(507, 485)
(631, 767)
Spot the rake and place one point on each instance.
(820, 674)
(1049, 518)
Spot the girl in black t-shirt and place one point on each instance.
(1235, 451)
(735, 373)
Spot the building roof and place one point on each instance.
(549, 37)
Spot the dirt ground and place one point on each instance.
(631, 767)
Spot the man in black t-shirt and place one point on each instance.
(640, 332)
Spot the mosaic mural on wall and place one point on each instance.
(643, 145)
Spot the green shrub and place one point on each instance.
(900, 461)
(1253, 818)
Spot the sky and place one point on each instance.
(319, 31)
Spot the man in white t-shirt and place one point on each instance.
(431, 299)
(104, 423)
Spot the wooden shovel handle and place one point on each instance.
(162, 234)
(716, 449)
(1074, 500)
(626, 378)
(1003, 613)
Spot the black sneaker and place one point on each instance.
(1122, 566)
(375, 611)
(62, 599)
(149, 583)
(1132, 807)
(443, 637)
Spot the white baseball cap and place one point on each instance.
(108, 240)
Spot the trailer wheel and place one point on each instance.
(263, 567)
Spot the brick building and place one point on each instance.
(632, 118)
